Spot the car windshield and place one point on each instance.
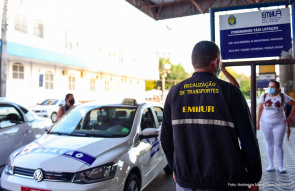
(52, 102)
(44, 102)
(89, 121)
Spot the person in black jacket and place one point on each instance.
(207, 132)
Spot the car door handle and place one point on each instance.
(27, 132)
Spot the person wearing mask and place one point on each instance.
(207, 133)
(70, 101)
(273, 122)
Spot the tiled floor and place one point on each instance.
(275, 181)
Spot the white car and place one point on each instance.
(48, 108)
(93, 147)
(18, 127)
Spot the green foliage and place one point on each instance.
(177, 74)
(243, 80)
(150, 85)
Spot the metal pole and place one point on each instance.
(3, 63)
(253, 95)
(292, 26)
(163, 84)
(212, 24)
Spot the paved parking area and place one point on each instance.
(271, 181)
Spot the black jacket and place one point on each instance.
(208, 136)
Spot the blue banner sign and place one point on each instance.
(77, 155)
(256, 34)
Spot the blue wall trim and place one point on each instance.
(41, 54)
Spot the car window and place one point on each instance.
(52, 102)
(44, 102)
(147, 119)
(9, 116)
(31, 116)
(159, 113)
(97, 122)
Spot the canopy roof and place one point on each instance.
(166, 9)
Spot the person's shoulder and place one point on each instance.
(182, 83)
(286, 96)
(61, 108)
(264, 94)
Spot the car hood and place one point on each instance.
(69, 154)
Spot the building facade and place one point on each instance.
(48, 59)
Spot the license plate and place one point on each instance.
(32, 189)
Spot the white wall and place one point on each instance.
(28, 92)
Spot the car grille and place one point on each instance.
(51, 176)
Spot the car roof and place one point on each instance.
(8, 102)
(118, 104)
(12, 103)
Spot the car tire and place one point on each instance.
(53, 117)
(168, 170)
(132, 183)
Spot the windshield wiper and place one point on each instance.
(69, 134)
(59, 133)
(96, 135)
(82, 134)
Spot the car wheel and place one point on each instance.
(132, 183)
(54, 117)
(168, 170)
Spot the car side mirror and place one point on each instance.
(149, 133)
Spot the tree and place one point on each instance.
(242, 79)
(177, 73)
(150, 85)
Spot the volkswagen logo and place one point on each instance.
(38, 175)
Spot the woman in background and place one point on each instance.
(273, 122)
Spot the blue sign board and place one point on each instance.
(256, 34)
(264, 79)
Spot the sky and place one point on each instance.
(119, 25)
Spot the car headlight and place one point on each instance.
(95, 174)
(9, 169)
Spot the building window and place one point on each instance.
(71, 82)
(49, 78)
(107, 86)
(68, 40)
(20, 23)
(92, 84)
(18, 71)
(38, 29)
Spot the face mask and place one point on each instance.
(72, 101)
(271, 90)
(218, 70)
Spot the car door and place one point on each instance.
(38, 124)
(150, 146)
(158, 114)
(14, 131)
